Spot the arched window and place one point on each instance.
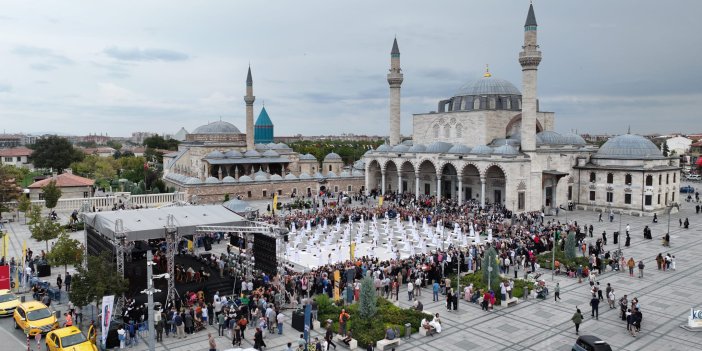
(476, 103)
(667, 178)
(627, 179)
(593, 177)
(675, 176)
(610, 178)
(649, 180)
(492, 103)
(447, 131)
(330, 168)
(459, 130)
(436, 131)
(660, 179)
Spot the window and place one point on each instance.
(476, 104)
(593, 177)
(492, 103)
(649, 180)
(659, 199)
(436, 131)
(336, 188)
(592, 196)
(264, 194)
(570, 192)
(41, 196)
(610, 196)
(294, 191)
(521, 199)
(675, 176)
(610, 178)
(18, 159)
(648, 199)
(660, 179)
(330, 168)
(627, 199)
(459, 130)
(672, 197)
(248, 193)
(627, 179)
(86, 194)
(667, 178)
(447, 131)
(8, 159)
(280, 192)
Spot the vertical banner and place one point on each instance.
(308, 321)
(5, 242)
(25, 276)
(352, 251)
(337, 285)
(4, 277)
(106, 316)
(275, 203)
(380, 201)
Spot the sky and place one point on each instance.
(117, 67)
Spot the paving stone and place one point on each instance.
(508, 328)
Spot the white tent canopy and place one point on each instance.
(147, 224)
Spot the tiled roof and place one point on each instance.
(64, 180)
(16, 151)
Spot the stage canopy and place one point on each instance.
(150, 223)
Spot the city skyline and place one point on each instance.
(317, 66)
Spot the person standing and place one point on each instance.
(595, 303)
(343, 318)
(631, 264)
(557, 292)
(435, 291)
(258, 339)
(280, 318)
(211, 341)
(410, 291)
(641, 268)
(59, 281)
(67, 282)
(577, 319)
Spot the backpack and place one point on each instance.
(641, 265)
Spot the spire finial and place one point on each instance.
(487, 71)
(249, 80)
(531, 18)
(395, 49)
(629, 130)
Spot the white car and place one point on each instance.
(694, 177)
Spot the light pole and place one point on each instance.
(553, 257)
(489, 274)
(150, 293)
(458, 279)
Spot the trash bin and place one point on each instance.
(408, 330)
(57, 313)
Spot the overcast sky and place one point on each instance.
(115, 67)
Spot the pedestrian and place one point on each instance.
(67, 281)
(595, 303)
(641, 268)
(599, 292)
(221, 323)
(623, 304)
(37, 338)
(410, 291)
(59, 281)
(122, 336)
(211, 341)
(611, 298)
(258, 339)
(435, 291)
(329, 335)
(343, 318)
(631, 264)
(577, 319)
(160, 325)
(557, 292)
(280, 318)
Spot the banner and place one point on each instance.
(352, 253)
(106, 316)
(380, 201)
(25, 276)
(275, 203)
(337, 285)
(4, 277)
(5, 243)
(308, 321)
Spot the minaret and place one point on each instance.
(529, 58)
(395, 80)
(249, 99)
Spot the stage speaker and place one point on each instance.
(208, 244)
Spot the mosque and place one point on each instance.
(492, 143)
(217, 159)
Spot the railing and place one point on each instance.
(108, 202)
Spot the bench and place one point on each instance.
(382, 344)
(509, 302)
(353, 344)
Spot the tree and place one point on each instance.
(158, 142)
(52, 194)
(66, 251)
(55, 152)
(368, 304)
(9, 187)
(98, 279)
(226, 197)
(666, 150)
(490, 260)
(24, 205)
(570, 246)
(43, 228)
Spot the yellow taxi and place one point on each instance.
(68, 339)
(34, 317)
(8, 302)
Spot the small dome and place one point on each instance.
(400, 148)
(438, 147)
(233, 154)
(215, 154)
(345, 174)
(488, 85)
(331, 174)
(481, 150)
(252, 153)
(357, 173)
(360, 164)
(332, 156)
(212, 180)
(245, 179)
(218, 127)
(283, 146)
(384, 148)
(370, 151)
(192, 180)
(261, 146)
(574, 139)
(506, 150)
(276, 177)
(308, 157)
(549, 138)
(417, 148)
(270, 153)
(305, 175)
(290, 176)
(318, 175)
(272, 146)
(459, 149)
(505, 141)
(228, 180)
(407, 142)
(629, 146)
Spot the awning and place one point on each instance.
(555, 173)
(246, 161)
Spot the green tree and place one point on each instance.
(55, 152)
(52, 194)
(226, 197)
(43, 228)
(98, 279)
(368, 300)
(66, 251)
(24, 205)
(490, 260)
(666, 150)
(9, 187)
(158, 142)
(570, 246)
(114, 144)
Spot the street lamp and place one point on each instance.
(150, 291)
(489, 274)
(553, 257)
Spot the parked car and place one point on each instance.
(8, 303)
(68, 339)
(694, 177)
(687, 189)
(34, 318)
(591, 343)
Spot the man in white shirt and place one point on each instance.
(280, 318)
(410, 291)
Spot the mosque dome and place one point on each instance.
(261, 146)
(309, 157)
(370, 151)
(488, 85)
(270, 153)
(233, 154)
(283, 146)
(345, 174)
(252, 153)
(331, 174)
(384, 148)
(629, 146)
(276, 177)
(305, 175)
(481, 150)
(400, 148)
(548, 137)
(360, 164)
(192, 180)
(506, 150)
(228, 180)
(357, 173)
(438, 147)
(459, 149)
(407, 142)
(212, 180)
(245, 179)
(290, 176)
(417, 148)
(215, 154)
(218, 127)
(574, 139)
(332, 156)
(318, 175)
(272, 146)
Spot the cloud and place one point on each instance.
(42, 67)
(41, 53)
(149, 54)
(5, 88)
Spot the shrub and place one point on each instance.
(570, 246)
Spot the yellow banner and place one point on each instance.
(352, 252)
(380, 201)
(190, 245)
(275, 203)
(337, 285)
(5, 242)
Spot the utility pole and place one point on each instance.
(458, 280)
(553, 257)
(150, 294)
